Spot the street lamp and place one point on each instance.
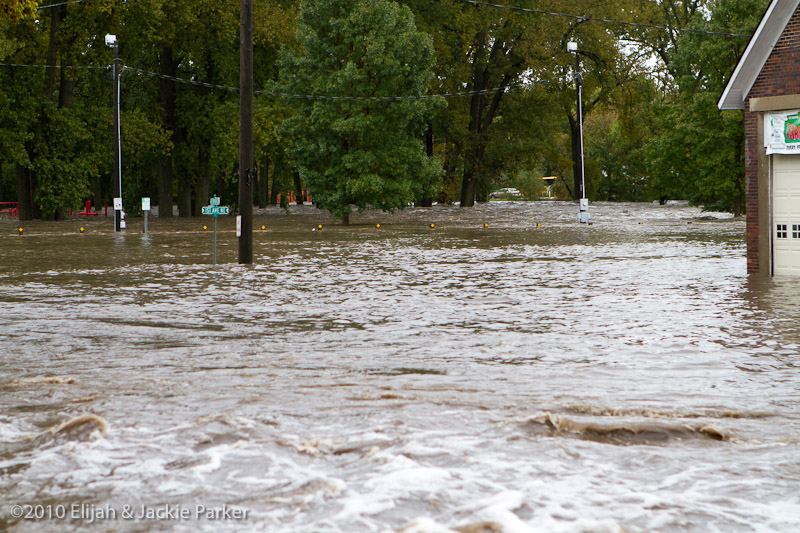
(119, 216)
(583, 214)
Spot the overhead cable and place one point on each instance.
(597, 19)
(61, 4)
(279, 94)
(20, 65)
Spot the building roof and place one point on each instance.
(758, 50)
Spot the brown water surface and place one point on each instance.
(537, 374)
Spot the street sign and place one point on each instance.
(145, 204)
(117, 204)
(216, 210)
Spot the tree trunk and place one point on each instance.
(263, 182)
(97, 193)
(273, 195)
(65, 91)
(184, 197)
(168, 69)
(298, 187)
(426, 200)
(203, 185)
(575, 142)
(468, 186)
(483, 111)
(164, 186)
(26, 182)
(57, 15)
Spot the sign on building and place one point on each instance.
(782, 132)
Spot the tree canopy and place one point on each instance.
(359, 140)
(372, 103)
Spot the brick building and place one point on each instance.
(766, 85)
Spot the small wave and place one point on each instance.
(648, 412)
(426, 525)
(630, 432)
(79, 426)
(48, 380)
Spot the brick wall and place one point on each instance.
(780, 76)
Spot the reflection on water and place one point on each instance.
(532, 375)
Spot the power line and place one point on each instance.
(596, 19)
(61, 4)
(279, 94)
(19, 65)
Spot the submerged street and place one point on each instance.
(535, 375)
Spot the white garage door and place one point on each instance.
(786, 214)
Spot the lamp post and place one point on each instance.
(119, 221)
(583, 214)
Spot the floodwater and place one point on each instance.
(535, 375)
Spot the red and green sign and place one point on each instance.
(791, 131)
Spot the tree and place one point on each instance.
(698, 151)
(14, 10)
(351, 144)
(52, 135)
(484, 52)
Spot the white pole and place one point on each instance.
(119, 130)
(580, 128)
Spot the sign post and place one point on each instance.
(146, 210)
(215, 209)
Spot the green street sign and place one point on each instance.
(213, 201)
(215, 210)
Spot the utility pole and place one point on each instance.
(246, 156)
(119, 224)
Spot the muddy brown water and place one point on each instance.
(535, 375)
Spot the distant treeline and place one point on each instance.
(372, 103)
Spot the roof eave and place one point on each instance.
(756, 54)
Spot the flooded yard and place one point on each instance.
(507, 369)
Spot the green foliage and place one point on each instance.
(697, 150)
(66, 162)
(651, 132)
(13, 10)
(360, 151)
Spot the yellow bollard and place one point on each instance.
(20, 231)
(485, 226)
(205, 227)
(432, 225)
(263, 228)
(378, 226)
(81, 229)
